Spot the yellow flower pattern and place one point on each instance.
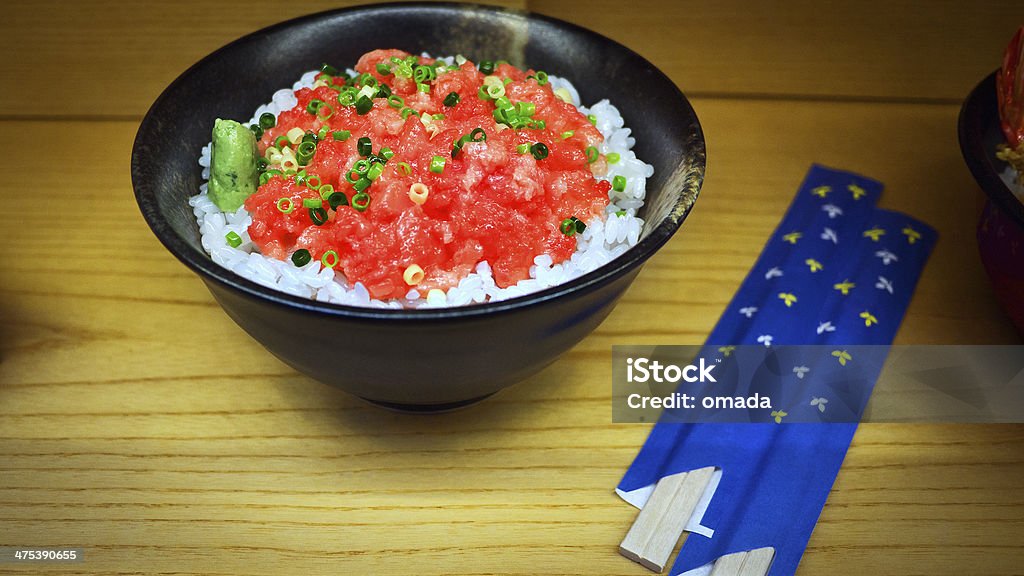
(813, 264)
(875, 233)
(845, 286)
(857, 191)
(788, 298)
(821, 191)
(869, 319)
(792, 237)
(843, 356)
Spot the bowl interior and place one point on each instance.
(233, 81)
(980, 134)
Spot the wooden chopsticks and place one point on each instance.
(661, 522)
(750, 563)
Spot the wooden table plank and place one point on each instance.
(114, 60)
(848, 50)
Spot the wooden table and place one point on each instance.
(122, 432)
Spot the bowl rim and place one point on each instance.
(204, 266)
(979, 106)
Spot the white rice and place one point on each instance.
(600, 242)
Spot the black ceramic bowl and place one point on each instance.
(1001, 226)
(416, 359)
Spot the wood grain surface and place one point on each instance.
(124, 431)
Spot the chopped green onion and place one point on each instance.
(402, 68)
(421, 74)
(325, 190)
(262, 163)
(361, 201)
(592, 154)
(313, 106)
(387, 153)
(482, 93)
(572, 225)
(322, 132)
(267, 120)
(523, 148)
(567, 134)
(383, 91)
(341, 135)
(364, 146)
(330, 258)
(536, 124)
(368, 91)
(318, 215)
(313, 185)
(361, 166)
(405, 168)
(612, 157)
(539, 150)
(567, 227)
(396, 101)
(312, 203)
(256, 131)
(234, 240)
(367, 79)
(407, 111)
(526, 108)
(328, 69)
(285, 205)
(496, 91)
(619, 183)
(320, 111)
(305, 153)
(621, 213)
(337, 199)
(347, 97)
(301, 257)
(376, 169)
(592, 119)
(281, 141)
(363, 105)
(542, 78)
(425, 88)
(438, 116)
(437, 164)
(478, 135)
(362, 184)
(506, 81)
(452, 99)
(308, 137)
(383, 69)
(486, 67)
(458, 144)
